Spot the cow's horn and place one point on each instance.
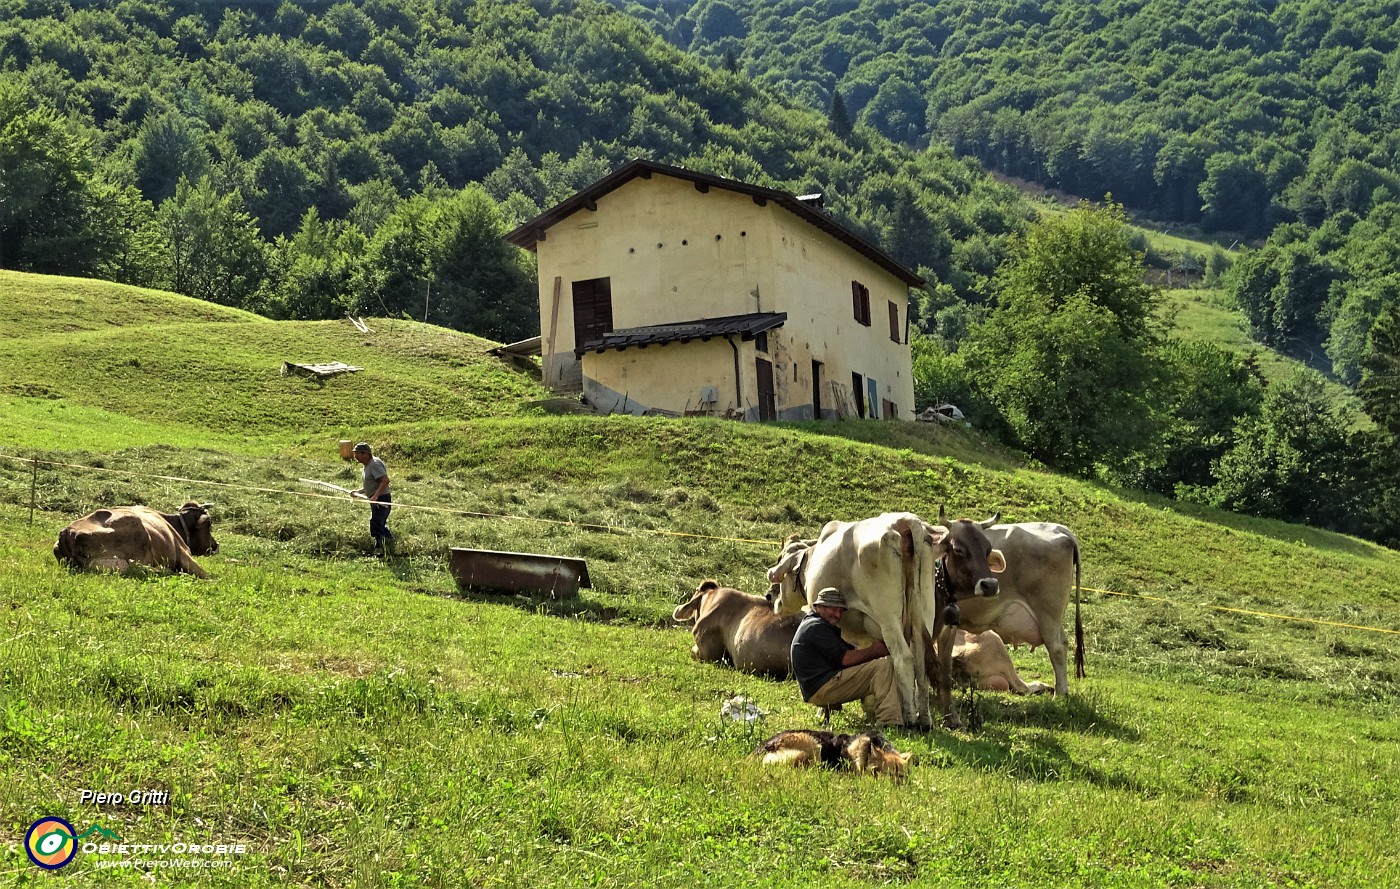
(996, 517)
(940, 514)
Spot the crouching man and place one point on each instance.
(831, 671)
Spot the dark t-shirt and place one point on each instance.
(817, 649)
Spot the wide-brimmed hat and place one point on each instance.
(363, 447)
(830, 597)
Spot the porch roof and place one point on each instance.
(746, 326)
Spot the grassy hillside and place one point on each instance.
(95, 354)
(359, 723)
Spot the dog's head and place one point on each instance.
(870, 752)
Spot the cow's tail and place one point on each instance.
(1078, 623)
(909, 561)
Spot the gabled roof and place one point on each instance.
(748, 326)
(533, 231)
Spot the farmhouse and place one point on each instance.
(666, 291)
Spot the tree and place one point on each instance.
(1087, 250)
(213, 248)
(315, 270)
(1207, 391)
(1282, 288)
(838, 115)
(167, 150)
(444, 261)
(1354, 306)
(1291, 461)
(1379, 389)
(1234, 195)
(1067, 356)
(46, 189)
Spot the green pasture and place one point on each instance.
(363, 723)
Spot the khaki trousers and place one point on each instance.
(872, 683)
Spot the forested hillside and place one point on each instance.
(309, 159)
(1251, 118)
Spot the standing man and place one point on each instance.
(376, 491)
(832, 671)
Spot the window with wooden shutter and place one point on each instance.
(860, 301)
(894, 323)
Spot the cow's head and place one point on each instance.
(968, 556)
(788, 591)
(199, 536)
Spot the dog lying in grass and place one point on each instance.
(867, 752)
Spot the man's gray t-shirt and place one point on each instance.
(374, 471)
(817, 650)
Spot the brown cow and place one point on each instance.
(743, 630)
(739, 628)
(120, 537)
(984, 661)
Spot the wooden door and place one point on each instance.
(767, 401)
(593, 315)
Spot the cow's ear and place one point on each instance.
(996, 561)
(937, 534)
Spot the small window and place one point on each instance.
(760, 341)
(895, 332)
(860, 301)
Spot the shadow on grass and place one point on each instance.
(574, 607)
(928, 439)
(1005, 739)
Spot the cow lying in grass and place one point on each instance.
(739, 628)
(866, 753)
(123, 538)
(743, 630)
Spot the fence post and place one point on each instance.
(33, 487)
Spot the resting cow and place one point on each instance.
(984, 661)
(119, 537)
(886, 569)
(1042, 568)
(739, 628)
(742, 630)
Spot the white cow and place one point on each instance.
(885, 567)
(1042, 568)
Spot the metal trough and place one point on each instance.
(483, 569)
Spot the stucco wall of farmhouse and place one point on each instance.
(672, 253)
